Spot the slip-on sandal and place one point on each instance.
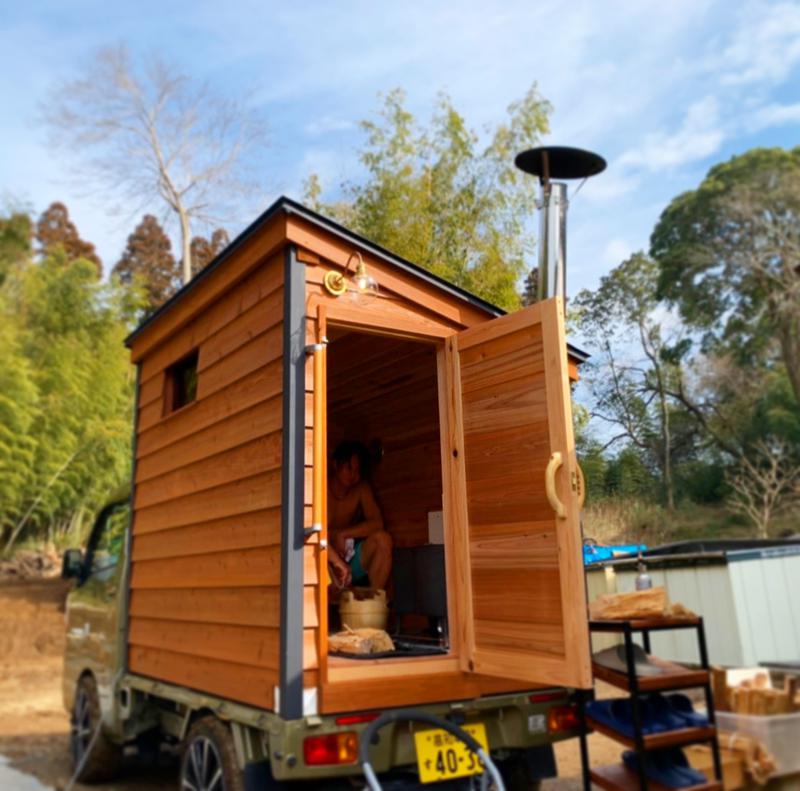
(660, 766)
(659, 710)
(681, 763)
(618, 714)
(614, 659)
(683, 707)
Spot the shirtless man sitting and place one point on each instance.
(354, 514)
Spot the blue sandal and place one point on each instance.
(668, 767)
(682, 706)
(618, 714)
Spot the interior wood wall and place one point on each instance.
(205, 595)
(385, 389)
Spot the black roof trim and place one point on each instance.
(292, 207)
(289, 206)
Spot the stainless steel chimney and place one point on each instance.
(561, 163)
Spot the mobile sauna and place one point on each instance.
(215, 632)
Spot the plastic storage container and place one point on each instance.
(779, 733)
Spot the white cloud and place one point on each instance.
(765, 46)
(770, 115)
(699, 136)
(328, 124)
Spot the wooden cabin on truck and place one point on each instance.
(246, 380)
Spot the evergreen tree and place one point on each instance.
(204, 251)
(55, 229)
(148, 258)
(530, 294)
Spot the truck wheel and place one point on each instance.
(209, 759)
(93, 759)
(516, 774)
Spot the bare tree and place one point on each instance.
(145, 132)
(630, 386)
(766, 481)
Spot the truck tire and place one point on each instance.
(209, 760)
(104, 758)
(516, 774)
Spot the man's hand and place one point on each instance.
(342, 576)
(337, 541)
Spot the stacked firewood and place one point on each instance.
(755, 696)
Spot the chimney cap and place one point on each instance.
(560, 162)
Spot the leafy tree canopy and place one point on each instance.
(65, 394)
(436, 196)
(729, 254)
(15, 242)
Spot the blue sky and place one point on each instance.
(663, 90)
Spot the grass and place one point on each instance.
(628, 521)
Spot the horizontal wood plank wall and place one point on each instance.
(385, 389)
(205, 577)
(250, 254)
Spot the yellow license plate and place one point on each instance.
(441, 756)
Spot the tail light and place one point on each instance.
(357, 719)
(563, 718)
(331, 748)
(546, 697)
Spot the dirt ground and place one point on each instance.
(34, 727)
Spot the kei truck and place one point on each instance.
(202, 607)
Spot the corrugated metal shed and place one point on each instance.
(747, 592)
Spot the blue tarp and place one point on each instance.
(596, 554)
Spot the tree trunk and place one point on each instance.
(186, 245)
(790, 351)
(22, 522)
(668, 485)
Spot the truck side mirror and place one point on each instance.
(72, 564)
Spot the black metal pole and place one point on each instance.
(584, 744)
(712, 718)
(633, 681)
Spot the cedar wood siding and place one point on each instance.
(205, 560)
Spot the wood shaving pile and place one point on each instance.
(360, 641)
(651, 603)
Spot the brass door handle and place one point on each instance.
(581, 486)
(550, 485)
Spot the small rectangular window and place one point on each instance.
(181, 383)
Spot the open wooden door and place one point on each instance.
(522, 595)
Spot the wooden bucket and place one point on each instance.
(363, 607)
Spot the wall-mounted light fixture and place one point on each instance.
(360, 281)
